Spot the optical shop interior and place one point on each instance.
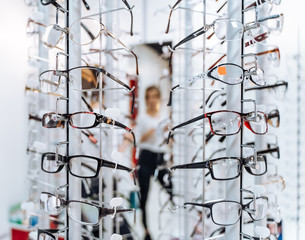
(152, 120)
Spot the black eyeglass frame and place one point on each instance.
(65, 160)
(245, 207)
(209, 165)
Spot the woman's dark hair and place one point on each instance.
(152, 88)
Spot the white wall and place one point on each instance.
(13, 120)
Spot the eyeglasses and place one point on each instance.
(221, 28)
(228, 168)
(82, 166)
(273, 22)
(53, 234)
(170, 15)
(246, 236)
(227, 212)
(272, 149)
(89, 30)
(226, 123)
(51, 80)
(53, 205)
(279, 89)
(81, 120)
(231, 74)
(49, 234)
(30, 29)
(131, 16)
(274, 118)
(228, 73)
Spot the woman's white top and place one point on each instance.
(146, 122)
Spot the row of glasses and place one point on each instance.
(225, 122)
(54, 83)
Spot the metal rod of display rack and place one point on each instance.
(261, 98)
(74, 103)
(67, 124)
(234, 102)
(242, 131)
(186, 115)
(101, 93)
(203, 111)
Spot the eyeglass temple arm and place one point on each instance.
(86, 5)
(193, 35)
(110, 164)
(170, 15)
(121, 125)
(170, 99)
(121, 83)
(191, 166)
(270, 17)
(268, 86)
(271, 150)
(195, 204)
(258, 38)
(185, 123)
(87, 30)
(131, 16)
(87, 104)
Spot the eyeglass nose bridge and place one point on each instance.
(255, 111)
(57, 100)
(57, 193)
(57, 149)
(254, 156)
(251, 211)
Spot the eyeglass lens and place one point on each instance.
(83, 166)
(85, 31)
(49, 163)
(90, 213)
(225, 123)
(82, 120)
(49, 205)
(226, 168)
(261, 206)
(228, 73)
(226, 212)
(228, 29)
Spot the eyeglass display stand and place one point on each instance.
(203, 111)
(261, 99)
(107, 146)
(73, 105)
(187, 114)
(44, 101)
(234, 102)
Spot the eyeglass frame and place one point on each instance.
(210, 204)
(247, 74)
(99, 118)
(209, 165)
(208, 116)
(65, 161)
(65, 73)
(108, 211)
